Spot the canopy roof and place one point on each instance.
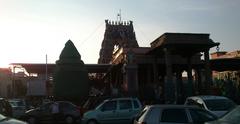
(182, 43)
(40, 68)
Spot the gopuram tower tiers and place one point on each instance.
(117, 34)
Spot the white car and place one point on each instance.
(8, 120)
(218, 105)
(173, 114)
(113, 111)
(232, 117)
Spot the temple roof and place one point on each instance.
(182, 43)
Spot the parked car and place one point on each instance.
(68, 113)
(8, 120)
(112, 111)
(18, 107)
(232, 117)
(92, 102)
(5, 107)
(173, 114)
(218, 105)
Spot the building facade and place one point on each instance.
(227, 78)
(140, 71)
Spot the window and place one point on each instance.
(200, 116)
(219, 104)
(66, 106)
(194, 103)
(125, 104)
(46, 107)
(136, 104)
(174, 115)
(109, 106)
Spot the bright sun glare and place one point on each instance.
(4, 64)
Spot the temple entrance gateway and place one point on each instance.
(118, 34)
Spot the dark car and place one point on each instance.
(7, 120)
(5, 107)
(68, 113)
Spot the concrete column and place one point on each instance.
(198, 80)
(169, 92)
(155, 71)
(208, 73)
(132, 79)
(190, 78)
(179, 87)
(149, 69)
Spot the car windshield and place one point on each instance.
(2, 117)
(17, 103)
(233, 116)
(219, 104)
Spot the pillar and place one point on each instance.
(149, 76)
(169, 91)
(208, 73)
(155, 71)
(132, 79)
(179, 86)
(190, 78)
(198, 80)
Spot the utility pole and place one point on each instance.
(46, 78)
(46, 69)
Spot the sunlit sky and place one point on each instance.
(30, 29)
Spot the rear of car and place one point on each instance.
(70, 112)
(173, 114)
(218, 105)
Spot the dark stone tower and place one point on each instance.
(117, 34)
(70, 77)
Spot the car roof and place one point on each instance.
(16, 99)
(207, 97)
(121, 98)
(3, 99)
(171, 106)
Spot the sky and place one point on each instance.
(32, 29)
